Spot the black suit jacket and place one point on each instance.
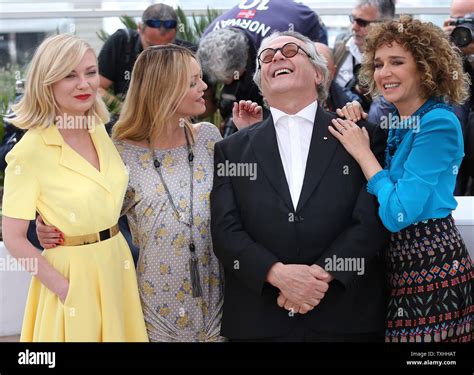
(254, 225)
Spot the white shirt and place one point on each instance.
(345, 73)
(293, 134)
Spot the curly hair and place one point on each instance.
(222, 53)
(439, 62)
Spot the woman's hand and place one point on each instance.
(63, 291)
(355, 140)
(352, 111)
(49, 237)
(15, 240)
(246, 113)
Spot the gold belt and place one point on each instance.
(91, 238)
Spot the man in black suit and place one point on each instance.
(292, 223)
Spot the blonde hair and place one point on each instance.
(160, 80)
(54, 59)
(438, 60)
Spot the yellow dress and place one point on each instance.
(45, 174)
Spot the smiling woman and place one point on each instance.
(430, 272)
(171, 162)
(84, 289)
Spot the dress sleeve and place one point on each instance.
(21, 187)
(434, 151)
(212, 135)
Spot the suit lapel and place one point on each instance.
(321, 151)
(265, 147)
(70, 159)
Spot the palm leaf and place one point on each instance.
(184, 30)
(129, 22)
(192, 32)
(102, 35)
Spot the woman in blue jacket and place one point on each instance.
(430, 274)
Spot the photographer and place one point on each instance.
(119, 53)
(349, 46)
(460, 26)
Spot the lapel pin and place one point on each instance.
(325, 138)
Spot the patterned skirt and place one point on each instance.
(431, 283)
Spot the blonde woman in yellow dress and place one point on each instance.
(67, 169)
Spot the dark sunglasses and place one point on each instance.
(288, 50)
(167, 24)
(361, 22)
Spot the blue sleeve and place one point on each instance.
(433, 151)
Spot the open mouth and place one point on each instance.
(388, 86)
(282, 71)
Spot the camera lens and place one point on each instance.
(462, 36)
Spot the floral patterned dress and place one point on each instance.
(171, 313)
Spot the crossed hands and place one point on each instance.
(301, 287)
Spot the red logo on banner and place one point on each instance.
(247, 13)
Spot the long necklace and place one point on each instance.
(193, 261)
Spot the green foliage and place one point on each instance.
(8, 77)
(102, 35)
(113, 105)
(129, 22)
(184, 30)
(192, 33)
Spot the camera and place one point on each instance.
(463, 34)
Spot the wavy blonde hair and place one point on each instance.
(54, 59)
(160, 80)
(438, 61)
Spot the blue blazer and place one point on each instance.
(419, 180)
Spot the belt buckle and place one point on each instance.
(104, 234)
